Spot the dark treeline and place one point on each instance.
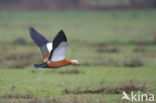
(75, 4)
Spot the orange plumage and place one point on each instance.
(52, 52)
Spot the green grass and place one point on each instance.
(48, 83)
(92, 37)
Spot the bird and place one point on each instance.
(53, 53)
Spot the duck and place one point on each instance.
(54, 52)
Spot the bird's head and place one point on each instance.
(75, 62)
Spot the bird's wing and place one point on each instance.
(44, 44)
(59, 47)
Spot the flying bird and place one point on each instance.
(53, 52)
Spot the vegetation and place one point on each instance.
(116, 50)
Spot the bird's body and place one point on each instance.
(60, 63)
(53, 52)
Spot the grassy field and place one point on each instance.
(116, 51)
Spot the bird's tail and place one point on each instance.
(43, 65)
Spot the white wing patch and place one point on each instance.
(49, 46)
(59, 52)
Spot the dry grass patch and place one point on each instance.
(19, 40)
(133, 62)
(132, 86)
(19, 60)
(19, 98)
(70, 71)
(127, 87)
(101, 61)
(110, 49)
(140, 49)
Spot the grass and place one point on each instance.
(43, 83)
(113, 47)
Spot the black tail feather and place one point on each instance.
(43, 65)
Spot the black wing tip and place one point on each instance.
(38, 38)
(31, 29)
(62, 34)
(61, 31)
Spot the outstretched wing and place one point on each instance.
(44, 44)
(59, 47)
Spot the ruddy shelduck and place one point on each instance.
(53, 52)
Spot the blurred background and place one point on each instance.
(75, 4)
(114, 41)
